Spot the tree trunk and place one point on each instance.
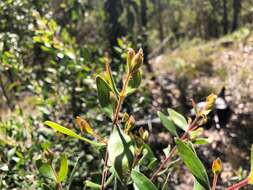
(144, 33)
(225, 17)
(236, 13)
(160, 24)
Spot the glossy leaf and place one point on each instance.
(63, 172)
(68, 132)
(167, 123)
(197, 186)
(193, 163)
(178, 119)
(121, 152)
(141, 181)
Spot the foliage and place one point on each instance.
(125, 150)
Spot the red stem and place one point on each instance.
(239, 184)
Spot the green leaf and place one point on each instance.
(178, 119)
(46, 170)
(121, 153)
(92, 185)
(141, 181)
(68, 132)
(63, 172)
(134, 82)
(167, 123)
(193, 163)
(104, 95)
(197, 186)
(201, 141)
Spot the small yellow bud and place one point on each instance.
(137, 61)
(129, 124)
(84, 125)
(125, 117)
(143, 134)
(210, 101)
(217, 166)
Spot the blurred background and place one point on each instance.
(51, 51)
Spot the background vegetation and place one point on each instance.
(51, 51)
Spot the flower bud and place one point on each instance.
(143, 134)
(137, 61)
(130, 56)
(216, 166)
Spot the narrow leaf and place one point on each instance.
(167, 123)
(193, 163)
(197, 186)
(141, 181)
(63, 172)
(68, 132)
(178, 119)
(92, 185)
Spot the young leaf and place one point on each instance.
(121, 152)
(68, 132)
(167, 123)
(46, 170)
(193, 163)
(134, 82)
(63, 172)
(141, 181)
(178, 119)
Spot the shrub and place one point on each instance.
(127, 157)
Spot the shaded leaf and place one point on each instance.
(46, 170)
(104, 95)
(63, 172)
(68, 132)
(178, 119)
(193, 163)
(134, 82)
(141, 181)
(167, 123)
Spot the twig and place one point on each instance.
(72, 173)
(239, 184)
(191, 127)
(214, 181)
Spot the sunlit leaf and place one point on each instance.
(68, 132)
(121, 152)
(167, 123)
(193, 163)
(141, 181)
(178, 119)
(92, 185)
(63, 172)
